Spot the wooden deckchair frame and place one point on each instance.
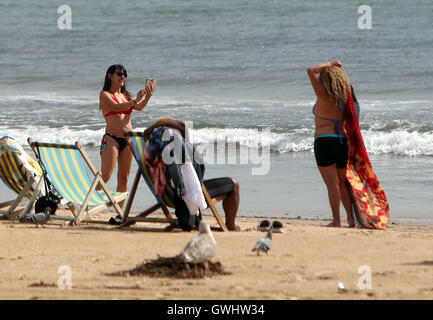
(80, 212)
(11, 212)
(143, 216)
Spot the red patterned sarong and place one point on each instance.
(368, 198)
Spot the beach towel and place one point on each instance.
(157, 171)
(193, 197)
(369, 201)
(29, 167)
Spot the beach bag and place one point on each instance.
(186, 220)
(50, 200)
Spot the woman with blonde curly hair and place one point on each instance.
(332, 88)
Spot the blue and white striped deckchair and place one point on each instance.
(65, 165)
(12, 174)
(137, 144)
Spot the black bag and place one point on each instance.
(186, 220)
(50, 200)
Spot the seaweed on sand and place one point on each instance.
(173, 267)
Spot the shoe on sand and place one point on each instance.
(277, 226)
(116, 221)
(264, 225)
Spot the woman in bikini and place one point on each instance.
(332, 88)
(117, 105)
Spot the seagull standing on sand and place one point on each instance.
(38, 218)
(202, 247)
(264, 244)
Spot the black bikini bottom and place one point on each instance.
(121, 141)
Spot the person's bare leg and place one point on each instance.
(231, 206)
(345, 197)
(108, 160)
(123, 169)
(330, 177)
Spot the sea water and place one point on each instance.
(236, 70)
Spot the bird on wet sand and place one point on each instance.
(264, 244)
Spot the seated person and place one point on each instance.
(216, 187)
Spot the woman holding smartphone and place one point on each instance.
(117, 105)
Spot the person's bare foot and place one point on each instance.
(233, 228)
(351, 221)
(334, 225)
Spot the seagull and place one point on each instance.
(38, 218)
(202, 247)
(264, 244)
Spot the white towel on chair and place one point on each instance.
(193, 198)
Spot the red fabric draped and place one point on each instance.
(369, 200)
(157, 172)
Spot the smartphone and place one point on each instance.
(151, 82)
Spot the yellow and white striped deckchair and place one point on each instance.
(65, 165)
(17, 177)
(137, 144)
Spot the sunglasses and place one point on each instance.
(122, 74)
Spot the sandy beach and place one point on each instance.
(237, 73)
(307, 261)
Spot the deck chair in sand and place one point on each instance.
(21, 174)
(137, 144)
(65, 165)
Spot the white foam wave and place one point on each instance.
(397, 142)
(64, 135)
(295, 141)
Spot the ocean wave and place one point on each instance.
(52, 98)
(296, 141)
(208, 101)
(392, 103)
(397, 142)
(64, 135)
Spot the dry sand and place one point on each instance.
(307, 261)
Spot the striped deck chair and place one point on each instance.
(65, 165)
(13, 175)
(137, 144)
